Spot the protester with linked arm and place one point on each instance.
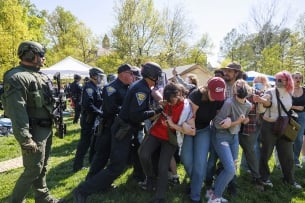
(205, 101)
(269, 138)
(159, 136)
(225, 139)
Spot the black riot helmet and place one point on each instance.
(28, 49)
(77, 77)
(95, 72)
(151, 70)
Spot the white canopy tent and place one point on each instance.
(67, 68)
(252, 74)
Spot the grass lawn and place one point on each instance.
(61, 180)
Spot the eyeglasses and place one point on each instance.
(297, 78)
(281, 80)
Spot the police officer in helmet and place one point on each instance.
(91, 108)
(113, 96)
(28, 102)
(135, 109)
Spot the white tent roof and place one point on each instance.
(67, 68)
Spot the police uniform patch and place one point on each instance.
(140, 97)
(7, 87)
(89, 92)
(110, 90)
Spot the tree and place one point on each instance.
(69, 37)
(138, 30)
(176, 31)
(19, 21)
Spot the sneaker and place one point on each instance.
(223, 200)
(296, 185)
(216, 200)
(208, 193)
(298, 166)
(174, 180)
(147, 186)
(267, 183)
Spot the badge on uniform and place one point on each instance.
(89, 92)
(110, 90)
(140, 97)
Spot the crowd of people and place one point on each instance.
(142, 120)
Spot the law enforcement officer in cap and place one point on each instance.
(76, 93)
(135, 109)
(28, 102)
(113, 96)
(91, 108)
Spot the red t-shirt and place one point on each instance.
(159, 129)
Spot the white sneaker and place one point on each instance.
(216, 200)
(223, 200)
(208, 193)
(296, 185)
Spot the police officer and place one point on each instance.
(91, 108)
(113, 96)
(28, 102)
(135, 109)
(76, 93)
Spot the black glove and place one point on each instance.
(159, 109)
(29, 145)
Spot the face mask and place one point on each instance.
(242, 92)
(258, 86)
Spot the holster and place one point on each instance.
(121, 128)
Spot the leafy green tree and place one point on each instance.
(137, 31)
(19, 21)
(69, 37)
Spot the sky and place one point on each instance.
(214, 17)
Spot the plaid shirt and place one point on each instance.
(250, 127)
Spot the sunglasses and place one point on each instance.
(281, 80)
(41, 54)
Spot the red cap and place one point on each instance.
(216, 86)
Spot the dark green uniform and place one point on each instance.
(28, 102)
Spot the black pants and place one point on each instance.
(117, 165)
(146, 151)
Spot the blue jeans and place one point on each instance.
(194, 155)
(226, 146)
(297, 146)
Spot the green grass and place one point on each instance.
(62, 181)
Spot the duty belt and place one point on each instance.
(42, 122)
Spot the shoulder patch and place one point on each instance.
(89, 91)
(7, 87)
(141, 97)
(110, 90)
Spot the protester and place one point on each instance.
(206, 101)
(225, 140)
(190, 82)
(298, 105)
(91, 108)
(28, 102)
(135, 109)
(169, 122)
(269, 139)
(249, 133)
